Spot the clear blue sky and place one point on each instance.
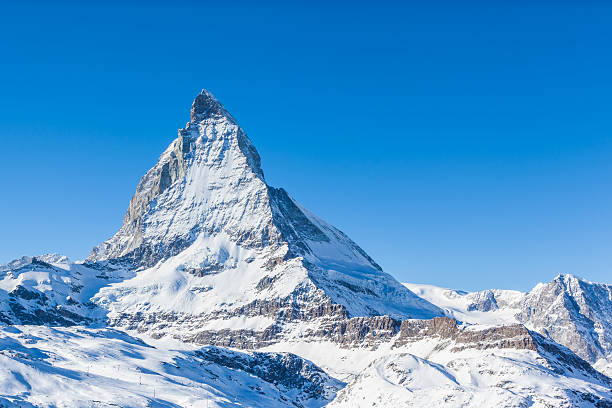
(467, 147)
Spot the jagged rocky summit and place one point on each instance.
(217, 248)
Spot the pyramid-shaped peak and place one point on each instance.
(205, 207)
(205, 106)
(566, 279)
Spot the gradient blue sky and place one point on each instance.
(466, 147)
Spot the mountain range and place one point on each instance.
(219, 290)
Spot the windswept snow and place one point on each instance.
(79, 367)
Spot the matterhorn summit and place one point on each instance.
(207, 181)
(217, 248)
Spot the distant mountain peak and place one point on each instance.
(567, 278)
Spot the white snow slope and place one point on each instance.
(85, 367)
(81, 367)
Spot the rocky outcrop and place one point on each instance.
(358, 332)
(574, 313)
(34, 307)
(284, 370)
(512, 336)
(50, 290)
(332, 325)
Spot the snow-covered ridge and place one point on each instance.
(50, 289)
(465, 380)
(572, 311)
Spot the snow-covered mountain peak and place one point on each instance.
(206, 106)
(209, 180)
(570, 283)
(205, 220)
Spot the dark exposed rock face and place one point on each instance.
(266, 282)
(23, 293)
(281, 311)
(211, 269)
(49, 316)
(46, 296)
(244, 339)
(293, 225)
(285, 370)
(206, 106)
(334, 326)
